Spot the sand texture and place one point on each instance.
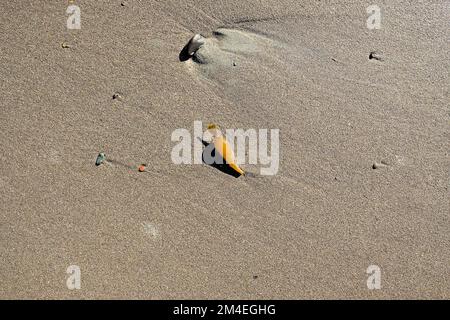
(364, 140)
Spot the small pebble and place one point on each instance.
(65, 45)
(117, 96)
(377, 165)
(376, 56)
(100, 159)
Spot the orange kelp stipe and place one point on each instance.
(223, 148)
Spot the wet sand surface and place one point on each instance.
(191, 231)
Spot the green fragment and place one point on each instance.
(100, 159)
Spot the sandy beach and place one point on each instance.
(363, 175)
